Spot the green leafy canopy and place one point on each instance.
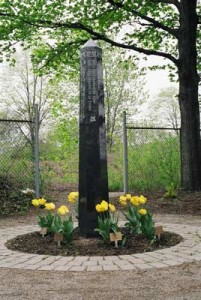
(57, 29)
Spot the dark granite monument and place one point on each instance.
(93, 177)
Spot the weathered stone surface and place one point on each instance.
(93, 178)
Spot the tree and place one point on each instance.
(165, 108)
(22, 89)
(124, 90)
(165, 28)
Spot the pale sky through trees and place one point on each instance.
(155, 81)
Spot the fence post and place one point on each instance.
(125, 155)
(36, 150)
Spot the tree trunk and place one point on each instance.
(188, 98)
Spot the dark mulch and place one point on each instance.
(35, 243)
(186, 203)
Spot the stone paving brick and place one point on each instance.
(75, 263)
(46, 268)
(62, 268)
(196, 247)
(20, 266)
(127, 267)
(119, 257)
(90, 263)
(6, 252)
(97, 258)
(94, 268)
(34, 261)
(6, 260)
(134, 260)
(39, 263)
(143, 266)
(188, 250)
(156, 255)
(182, 259)
(124, 257)
(182, 255)
(31, 267)
(122, 263)
(169, 256)
(197, 257)
(172, 262)
(158, 265)
(97, 261)
(62, 261)
(49, 260)
(149, 259)
(110, 267)
(6, 265)
(82, 258)
(78, 268)
(106, 263)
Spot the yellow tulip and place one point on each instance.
(123, 200)
(128, 196)
(72, 197)
(98, 208)
(49, 206)
(142, 199)
(104, 204)
(64, 207)
(112, 208)
(42, 201)
(143, 211)
(62, 210)
(35, 202)
(135, 201)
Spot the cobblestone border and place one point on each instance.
(187, 251)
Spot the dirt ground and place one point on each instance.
(171, 283)
(181, 282)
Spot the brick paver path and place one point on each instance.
(186, 251)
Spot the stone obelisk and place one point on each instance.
(93, 176)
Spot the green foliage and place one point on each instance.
(107, 223)
(153, 159)
(46, 220)
(138, 219)
(57, 224)
(133, 217)
(12, 199)
(147, 225)
(68, 229)
(31, 21)
(64, 226)
(170, 191)
(153, 162)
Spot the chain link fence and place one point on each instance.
(151, 158)
(16, 166)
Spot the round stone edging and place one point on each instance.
(186, 251)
